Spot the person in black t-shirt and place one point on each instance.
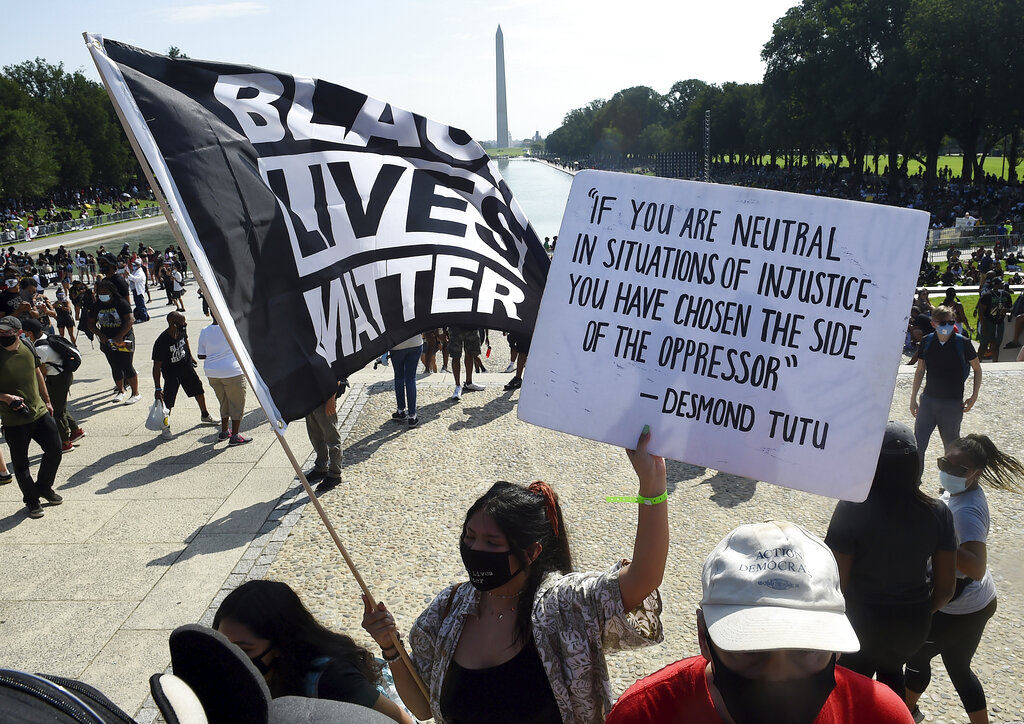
(296, 654)
(945, 356)
(172, 358)
(111, 320)
(883, 547)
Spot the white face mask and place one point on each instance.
(953, 483)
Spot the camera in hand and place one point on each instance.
(21, 408)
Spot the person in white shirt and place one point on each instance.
(137, 283)
(226, 379)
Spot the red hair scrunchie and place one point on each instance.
(543, 489)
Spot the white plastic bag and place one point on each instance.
(157, 419)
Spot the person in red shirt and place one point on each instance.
(771, 626)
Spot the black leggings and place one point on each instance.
(120, 363)
(955, 638)
(889, 635)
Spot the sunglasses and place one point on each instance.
(947, 467)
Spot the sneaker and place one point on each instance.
(917, 714)
(457, 395)
(239, 440)
(207, 419)
(6, 479)
(121, 396)
(1011, 345)
(66, 447)
(472, 387)
(398, 416)
(35, 511)
(314, 475)
(511, 368)
(413, 420)
(444, 370)
(77, 434)
(514, 384)
(223, 435)
(133, 399)
(53, 498)
(166, 433)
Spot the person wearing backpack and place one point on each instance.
(60, 360)
(948, 358)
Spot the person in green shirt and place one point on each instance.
(26, 415)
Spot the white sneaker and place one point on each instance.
(472, 387)
(511, 368)
(457, 395)
(444, 370)
(121, 396)
(133, 399)
(166, 433)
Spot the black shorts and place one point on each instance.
(187, 380)
(520, 344)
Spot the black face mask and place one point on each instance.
(257, 661)
(793, 701)
(8, 340)
(487, 570)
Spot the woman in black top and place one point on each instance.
(296, 654)
(112, 321)
(883, 547)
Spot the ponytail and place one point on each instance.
(999, 470)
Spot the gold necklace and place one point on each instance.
(512, 609)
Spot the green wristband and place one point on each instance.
(637, 499)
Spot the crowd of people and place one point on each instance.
(792, 626)
(47, 302)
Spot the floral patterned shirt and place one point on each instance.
(576, 618)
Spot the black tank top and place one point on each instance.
(516, 692)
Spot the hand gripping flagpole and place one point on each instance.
(215, 299)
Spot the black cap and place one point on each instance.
(899, 439)
(33, 326)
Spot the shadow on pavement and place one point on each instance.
(677, 472)
(228, 524)
(728, 490)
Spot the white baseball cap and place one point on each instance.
(775, 586)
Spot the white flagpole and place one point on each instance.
(214, 299)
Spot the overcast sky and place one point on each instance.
(432, 58)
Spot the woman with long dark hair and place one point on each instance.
(525, 642)
(956, 630)
(295, 653)
(883, 547)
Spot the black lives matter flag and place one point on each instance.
(327, 225)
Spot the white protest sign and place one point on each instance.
(756, 332)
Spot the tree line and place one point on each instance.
(892, 79)
(58, 131)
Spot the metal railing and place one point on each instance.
(13, 236)
(967, 240)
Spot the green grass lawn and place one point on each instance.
(955, 164)
(512, 152)
(104, 208)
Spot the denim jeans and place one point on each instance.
(404, 362)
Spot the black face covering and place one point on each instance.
(487, 570)
(257, 661)
(792, 701)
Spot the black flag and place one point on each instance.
(327, 225)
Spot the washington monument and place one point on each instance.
(499, 50)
